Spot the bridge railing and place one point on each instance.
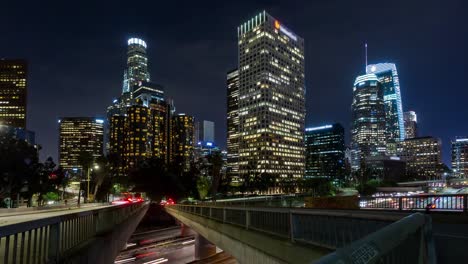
(48, 239)
(329, 229)
(449, 202)
(406, 241)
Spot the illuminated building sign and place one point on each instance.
(285, 30)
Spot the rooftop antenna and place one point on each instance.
(365, 48)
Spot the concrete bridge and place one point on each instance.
(75, 235)
(286, 235)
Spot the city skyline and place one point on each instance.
(92, 95)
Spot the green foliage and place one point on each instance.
(203, 186)
(50, 196)
(317, 186)
(369, 187)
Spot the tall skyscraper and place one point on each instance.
(137, 65)
(140, 119)
(77, 135)
(423, 157)
(208, 131)
(325, 151)
(271, 98)
(13, 93)
(233, 124)
(182, 140)
(460, 157)
(411, 124)
(368, 120)
(388, 78)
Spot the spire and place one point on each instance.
(365, 48)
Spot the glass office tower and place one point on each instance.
(368, 120)
(411, 124)
(325, 151)
(271, 99)
(233, 124)
(79, 134)
(137, 65)
(388, 78)
(13, 93)
(460, 157)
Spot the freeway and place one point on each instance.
(158, 246)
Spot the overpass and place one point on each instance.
(288, 235)
(71, 235)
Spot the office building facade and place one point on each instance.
(182, 147)
(137, 65)
(13, 93)
(233, 124)
(368, 120)
(411, 124)
(460, 157)
(388, 77)
(325, 152)
(423, 157)
(77, 135)
(271, 99)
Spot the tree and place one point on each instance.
(203, 186)
(216, 164)
(85, 159)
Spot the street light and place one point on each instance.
(96, 167)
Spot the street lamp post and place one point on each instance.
(96, 167)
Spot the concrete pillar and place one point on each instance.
(203, 247)
(186, 230)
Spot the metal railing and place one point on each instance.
(48, 239)
(456, 203)
(406, 241)
(327, 229)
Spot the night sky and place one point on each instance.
(76, 55)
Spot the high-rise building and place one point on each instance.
(388, 78)
(137, 65)
(368, 120)
(19, 133)
(460, 157)
(233, 124)
(140, 119)
(271, 98)
(77, 135)
(208, 131)
(13, 93)
(325, 151)
(423, 157)
(182, 140)
(411, 124)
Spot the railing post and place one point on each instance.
(210, 213)
(465, 203)
(224, 215)
(54, 243)
(400, 203)
(291, 226)
(247, 219)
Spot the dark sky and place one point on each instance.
(77, 55)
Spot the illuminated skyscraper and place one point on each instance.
(325, 151)
(139, 120)
(271, 99)
(137, 65)
(233, 123)
(460, 157)
(182, 140)
(13, 93)
(388, 78)
(368, 120)
(77, 135)
(411, 124)
(423, 157)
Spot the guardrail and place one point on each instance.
(48, 239)
(406, 241)
(328, 229)
(448, 202)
